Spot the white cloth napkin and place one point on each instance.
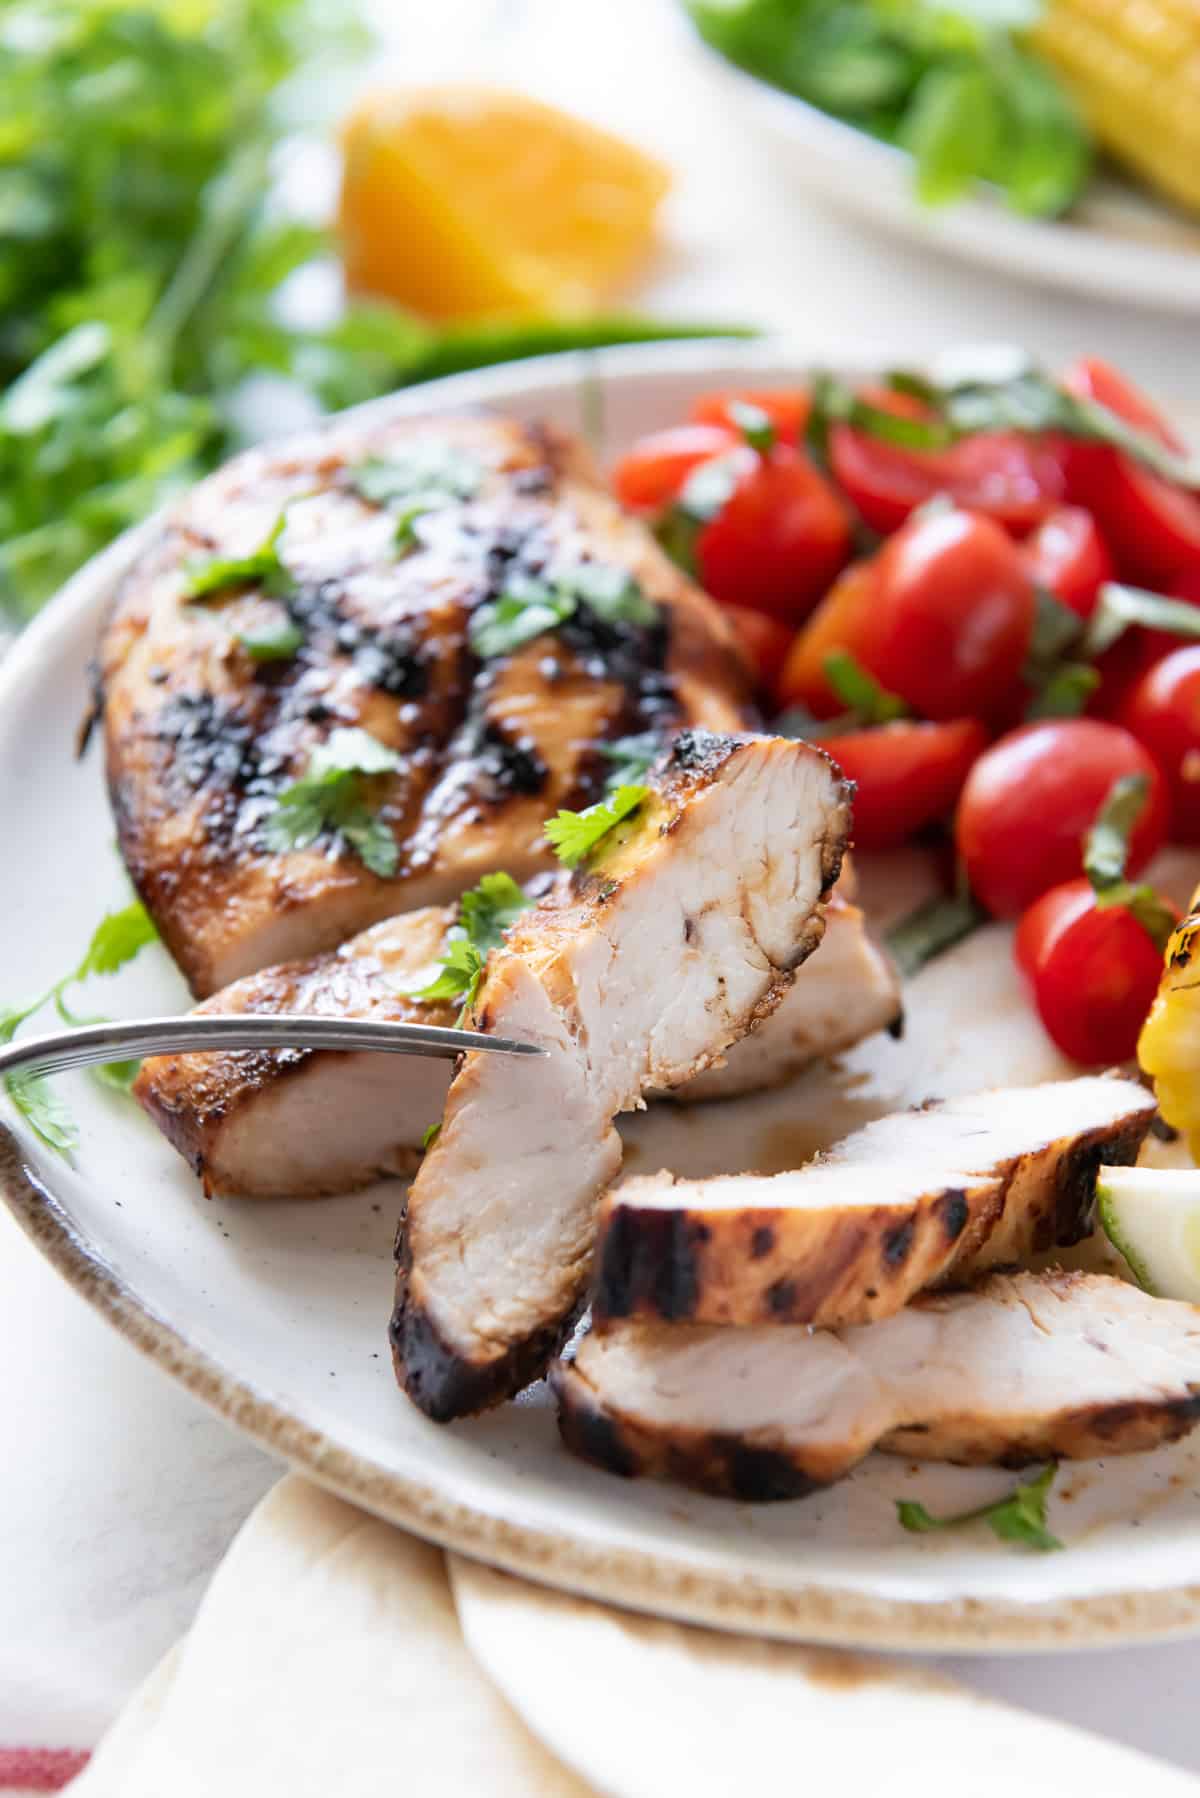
(334, 1654)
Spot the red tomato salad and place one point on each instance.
(982, 597)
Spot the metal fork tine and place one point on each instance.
(168, 1036)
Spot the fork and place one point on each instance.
(92, 1043)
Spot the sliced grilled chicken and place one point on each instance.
(911, 1200)
(636, 974)
(1023, 1368)
(202, 737)
(846, 992)
(306, 1122)
(303, 1122)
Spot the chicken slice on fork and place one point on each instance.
(685, 927)
(305, 1122)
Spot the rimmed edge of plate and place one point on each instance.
(637, 1582)
(652, 1584)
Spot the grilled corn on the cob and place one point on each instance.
(1134, 67)
(1169, 1048)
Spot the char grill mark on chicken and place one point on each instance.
(307, 1122)
(1024, 1368)
(910, 1201)
(201, 739)
(634, 975)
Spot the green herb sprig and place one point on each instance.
(330, 798)
(484, 914)
(1106, 854)
(117, 939)
(528, 606)
(576, 836)
(1021, 1517)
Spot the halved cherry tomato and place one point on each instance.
(942, 615)
(1094, 379)
(1094, 972)
(778, 540)
(1031, 799)
(908, 774)
(1013, 478)
(1151, 524)
(763, 641)
(1068, 555)
(786, 407)
(1163, 713)
(649, 476)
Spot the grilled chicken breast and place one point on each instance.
(305, 1122)
(847, 991)
(202, 735)
(1023, 1368)
(636, 974)
(921, 1197)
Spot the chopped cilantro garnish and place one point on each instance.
(528, 605)
(631, 758)
(221, 572)
(576, 835)
(116, 940)
(755, 425)
(429, 469)
(328, 797)
(860, 692)
(272, 642)
(1119, 607)
(1021, 1517)
(1106, 853)
(702, 496)
(431, 1135)
(484, 914)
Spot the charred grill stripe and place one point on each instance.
(648, 1263)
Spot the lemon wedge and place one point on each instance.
(468, 203)
(1152, 1215)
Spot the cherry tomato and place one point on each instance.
(649, 476)
(786, 407)
(1040, 925)
(1152, 525)
(1094, 379)
(1068, 555)
(1094, 972)
(763, 641)
(778, 540)
(1163, 713)
(908, 774)
(1031, 799)
(1013, 478)
(942, 615)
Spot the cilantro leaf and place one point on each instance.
(860, 692)
(431, 1135)
(459, 973)
(631, 758)
(1106, 848)
(431, 469)
(272, 642)
(116, 940)
(1021, 1517)
(524, 609)
(43, 1110)
(755, 425)
(1119, 607)
(611, 592)
(328, 798)
(486, 912)
(222, 572)
(1064, 692)
(574, 836)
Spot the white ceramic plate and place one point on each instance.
(1119, 243)
(276, 1313)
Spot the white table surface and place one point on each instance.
(118, 1492)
